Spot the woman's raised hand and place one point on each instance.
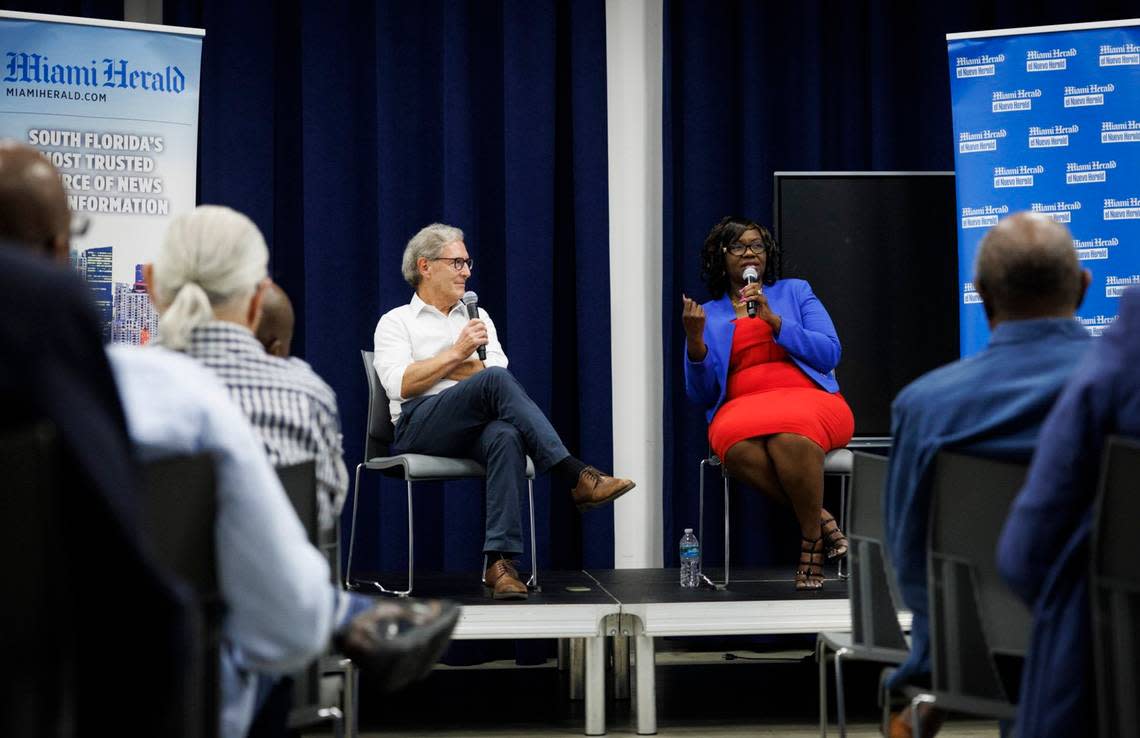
(693, 318)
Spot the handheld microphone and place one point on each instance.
(471, 300)
(751, 276)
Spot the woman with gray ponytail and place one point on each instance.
(212, 265)
(208, 281)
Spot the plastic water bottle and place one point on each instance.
(690, 560)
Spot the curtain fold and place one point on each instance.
(342, 129)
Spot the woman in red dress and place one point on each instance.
(768, 382)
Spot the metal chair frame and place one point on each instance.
(875, 631)
(837, 462)
(973, 616)
(413, 468)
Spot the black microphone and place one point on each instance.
(471, 300)
(751, 276)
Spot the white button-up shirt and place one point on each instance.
(418, 331)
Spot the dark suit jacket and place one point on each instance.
(110, 634)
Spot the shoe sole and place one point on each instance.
(582, 507)
(505, 595)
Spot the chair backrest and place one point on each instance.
(973, 615)
(300, 483)
(380, 432)
(1115, 588)
(178, 509)
(38, 697)
(874, 615)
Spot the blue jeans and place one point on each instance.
(490, 418)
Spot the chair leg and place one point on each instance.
(821, 659)
(842, 570)
(532, 583)
(916, 714)
(352, 529)
(701, 504)
(840, 703)
(726, 534)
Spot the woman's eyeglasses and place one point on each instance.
(457, 263)
(738, 248)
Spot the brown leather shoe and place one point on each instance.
(502, 578)
(595, 488)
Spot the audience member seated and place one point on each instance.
(446, 400)
(768, 383)
(207, 282)
(112, 601)
(991, 404)
(275, 331)
(282, 609)
(1043, 552)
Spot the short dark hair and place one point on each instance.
(727, 231)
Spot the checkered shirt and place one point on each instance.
(291, 409)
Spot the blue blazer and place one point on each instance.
(806, 333)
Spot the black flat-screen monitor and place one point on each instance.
(880, 250)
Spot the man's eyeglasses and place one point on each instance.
(457, 263)
(737, 249)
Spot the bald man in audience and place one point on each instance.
(66, 669)
(990, 404)
(275, 332)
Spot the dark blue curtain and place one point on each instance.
(757, 87)
(342, 128)
(102, 9)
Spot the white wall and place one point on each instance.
(634, 90)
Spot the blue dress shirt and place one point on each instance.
(281, 605)
(991, 404)
(1043, 551)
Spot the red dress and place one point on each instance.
(769, 394)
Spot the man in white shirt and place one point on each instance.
(447, 400)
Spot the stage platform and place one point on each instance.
(641, 604)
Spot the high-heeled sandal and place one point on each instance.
(836, 541)
(809, 574)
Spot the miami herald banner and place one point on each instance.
(115, 108)
(1048, 120)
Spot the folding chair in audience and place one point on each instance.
(977, 625)
(836, 462)
(875, 631)
(310, 706)
(413, 468)
(1115, 589)
(178, 507)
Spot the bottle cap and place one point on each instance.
(688, 530)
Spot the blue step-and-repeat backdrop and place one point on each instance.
(1048, 120)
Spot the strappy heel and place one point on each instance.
(836, 541)
(809, 574)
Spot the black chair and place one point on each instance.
(177, 509)
(875, 631)
(1115, 589)
(977, 625)
(413, 468)
(38, 697)
(309, 707)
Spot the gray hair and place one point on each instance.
(426, 245)
(209, 258)
(1027, 267)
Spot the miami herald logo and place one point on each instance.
(24, 68)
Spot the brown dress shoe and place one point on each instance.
(595, 488)
(502, 578)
